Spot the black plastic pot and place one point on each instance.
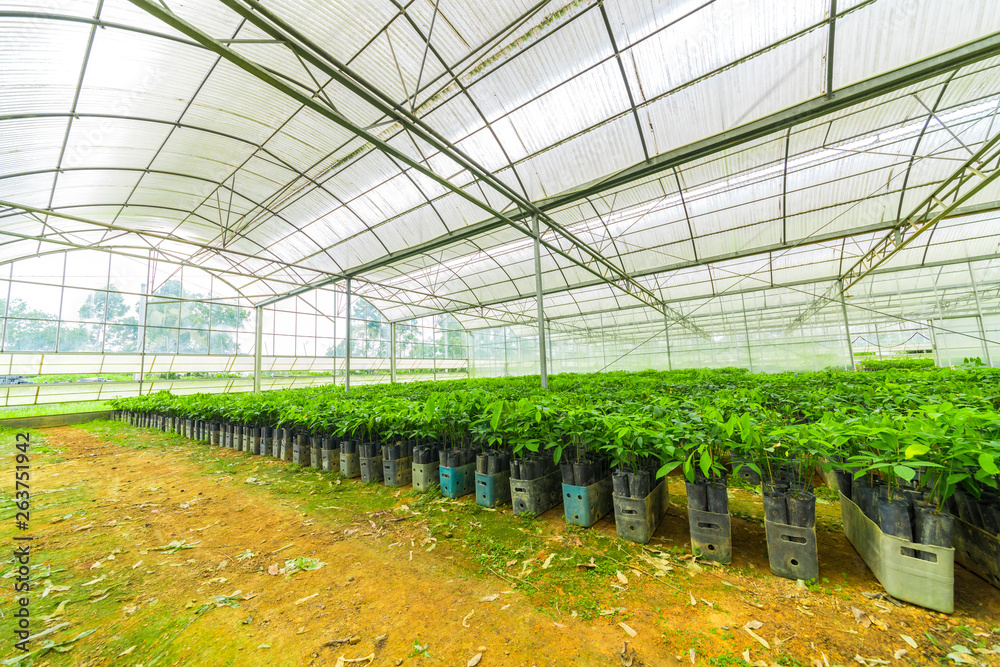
(801, 509)
(583, 472)
(894, 517)
(483, 463)
(494, 463)
(864, 498)
(697, 496)
(619, 482)
(968, 508)
(568, 475)
(718, 499)
(932, 527)
(775, 509)
(638, 484)
(845, 482)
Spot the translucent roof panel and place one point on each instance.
(407, 145)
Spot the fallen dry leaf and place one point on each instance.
(628, 630)
(621, 577)
(474, 660)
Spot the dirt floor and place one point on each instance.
(411, 579)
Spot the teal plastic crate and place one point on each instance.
(586, 505)
(493, 490)
(458, 482)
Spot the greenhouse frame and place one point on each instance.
(232, 195)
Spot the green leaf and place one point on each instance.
(988, 463)
(916, 450)
(905, 472)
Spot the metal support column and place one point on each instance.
(746, 332)
(979, 309)
(392, 352)
(347, 346)
(543, 370)
(258, 352)
(666, 335)
(847, 327)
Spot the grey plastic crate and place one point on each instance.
(586, 505)
(899, 564)
(426, 475)
(350, 465)
(711, 536)
(636, 519)
(977, 550)
(397, 472)
(791, 551)
(330, 459)
(535, 496)
(371, 468)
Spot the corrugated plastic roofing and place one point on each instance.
(133, 126)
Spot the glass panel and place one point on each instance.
(123, 308)
(193, 342)
(74, 337)
(163, 313)
(225, 342)
(30, 336)
(161, 341)
(39, 302)
(121, 338)
(83, 305)
(88, 269)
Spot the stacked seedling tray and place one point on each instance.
(458, 471)
(709, 520)
(975, 536)
(493, 478)
(921, 574)
(370, 461)
(397, 464)
(535, 485)
(266, 440)
(789, 524)
(350, 460)
(301, 451)
(638, 509)
(426, 467)
(316, 452)
(330, 455)
(586, 491)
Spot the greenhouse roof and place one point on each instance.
(671, 151)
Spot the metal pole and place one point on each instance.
(847, 328)
(392, 352)
(666, 335)
(257, 351)
(543, 371)
(746, 332)
(979, 309)
(944, 338)
(347, 346)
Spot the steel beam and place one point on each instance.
(975, 174)
(258, 352)
(979, 311)
(542, 368)
(347, 339)
(392, 353)
(563, 242)
(817, 107)
(847, 328)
